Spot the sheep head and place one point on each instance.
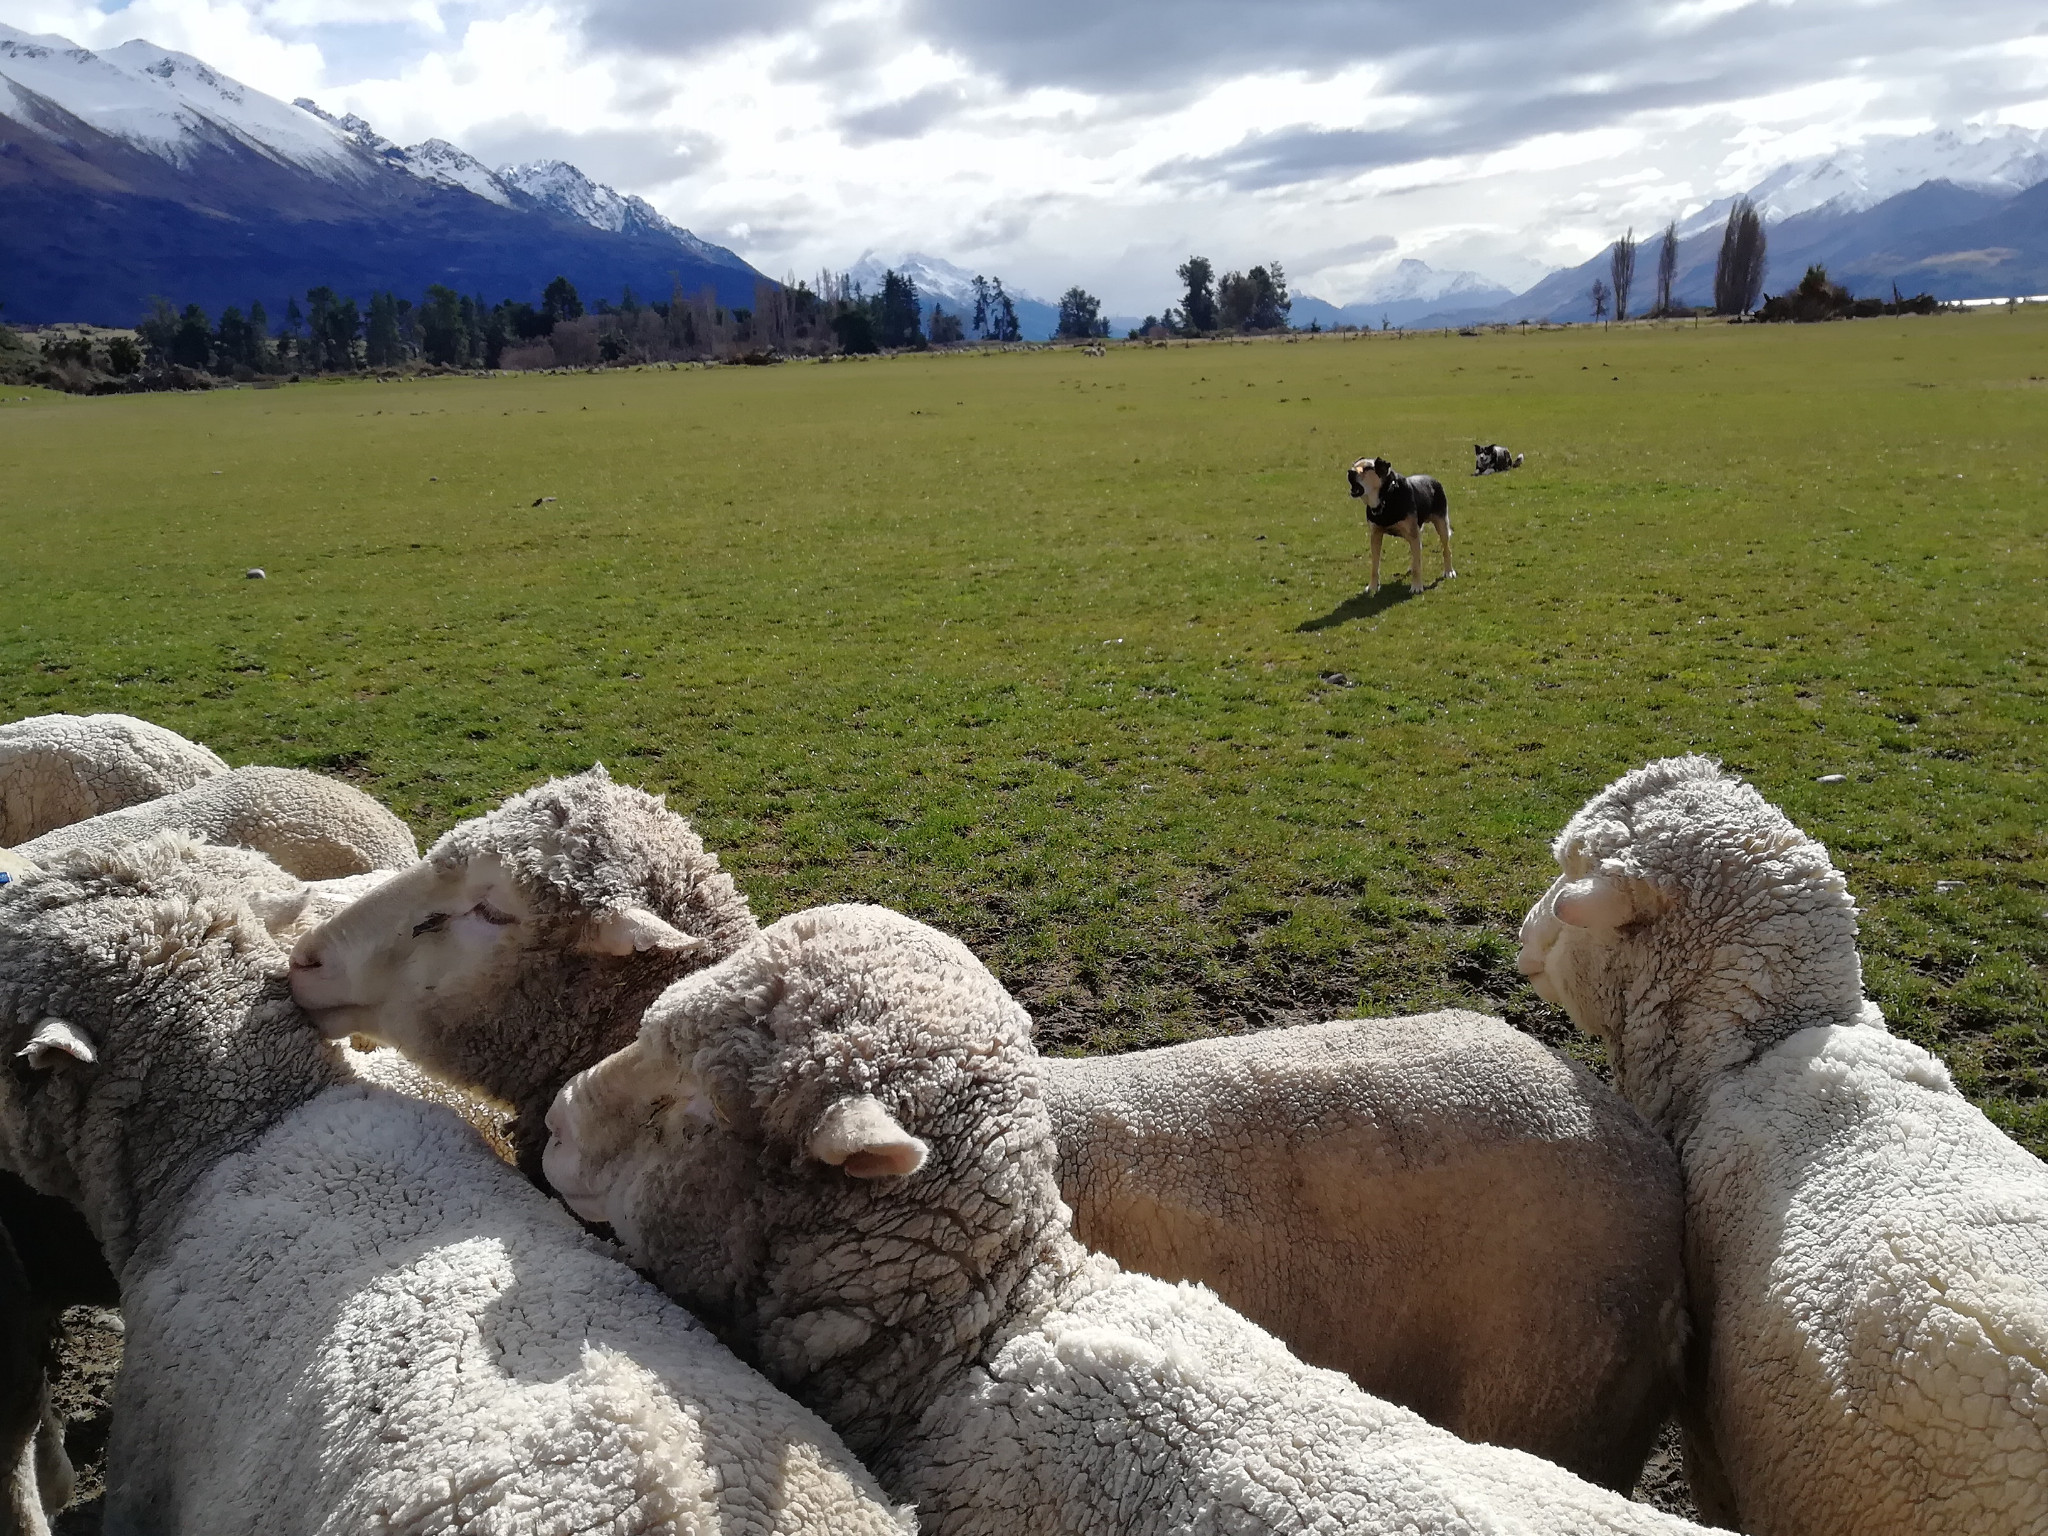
(527, 943)
(831, 1146)
(144, 1023)
(1686, 902)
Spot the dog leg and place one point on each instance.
(1415, 558)
(1373, 585)
(1443, 537)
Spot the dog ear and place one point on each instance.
(1382, 467)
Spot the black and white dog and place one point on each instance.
(1492, 459)
(1401, 504)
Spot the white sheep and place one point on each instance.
(343, 1314)
(314, 827)
(835, 1143)
(526, 944)
(1364, 1187)
(1868, 1254)
(57, 769)
(1454, 1217)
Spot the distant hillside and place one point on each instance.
(1954, 242)
(142, 171)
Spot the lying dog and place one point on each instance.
(1493, 459)
(1402, 504)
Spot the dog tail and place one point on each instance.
(1518, 461)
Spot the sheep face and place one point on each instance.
(785, 1145)
(425, 961)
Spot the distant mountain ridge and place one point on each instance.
(141, 171)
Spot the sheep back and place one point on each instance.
(1437, 1206)
(58, 769)
(313, 827)
(366, 1322)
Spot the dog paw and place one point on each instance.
(1372, 590)
(1416, 588)
(1448, 575)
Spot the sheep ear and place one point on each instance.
(862, 1139)
(278, 910)
(54, 1038)
(1600, 901)
(634, 931)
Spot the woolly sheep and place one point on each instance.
(57, 769)
(834, 1143)
(1363, 1214)
(1868, 1255)
(526, 944)
(343, 1313)
(317, 828)
(1454, 1217)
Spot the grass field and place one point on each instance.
(1070, 655)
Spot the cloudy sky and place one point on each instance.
(1102, 141)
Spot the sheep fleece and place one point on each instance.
(314, 827)
(365, 1322)
(57, 769)
(1938, 1267)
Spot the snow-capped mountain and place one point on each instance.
(1398, 292)
(183, 182)
(941, 282)
(2003, 161)
(168, 104)
(558, 185)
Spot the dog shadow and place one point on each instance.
(1362, 606)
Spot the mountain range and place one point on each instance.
(141, 171)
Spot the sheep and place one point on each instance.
(57, 769)
(526, 944)
(38, 1475)
(1867, 1253)
(316, 828)
(1453, 1216)
(834, 1144)
(343, 1313)
(1334, 1224)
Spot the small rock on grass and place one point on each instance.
(1832, 778)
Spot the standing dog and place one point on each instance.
(1402, 504)
(1493, 459)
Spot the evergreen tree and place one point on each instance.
(192, 343)
(558, 302)
(294, 321)
(259, 325)
(897, 324)
(235, 342)
(1199, 305)
(381, 346)
(855, 329)
(442, 338)
(1002, 314)
(945, 328)
(472, 320)
(981, 306)
(1080, 314)
(158, 330)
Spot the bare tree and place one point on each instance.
(1599, 299)
(1739, 271)
(1622, 267)
(1667, 267)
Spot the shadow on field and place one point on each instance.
(1359, 607)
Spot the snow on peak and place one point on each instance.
(936, 278)
(166, 103)
(438, 160)
(563, 189)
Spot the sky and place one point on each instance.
(1101, 142)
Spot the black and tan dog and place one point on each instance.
(1401, 504)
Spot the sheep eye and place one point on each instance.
(433, 924)
(492, 915)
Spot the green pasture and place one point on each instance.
(1070, 655)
